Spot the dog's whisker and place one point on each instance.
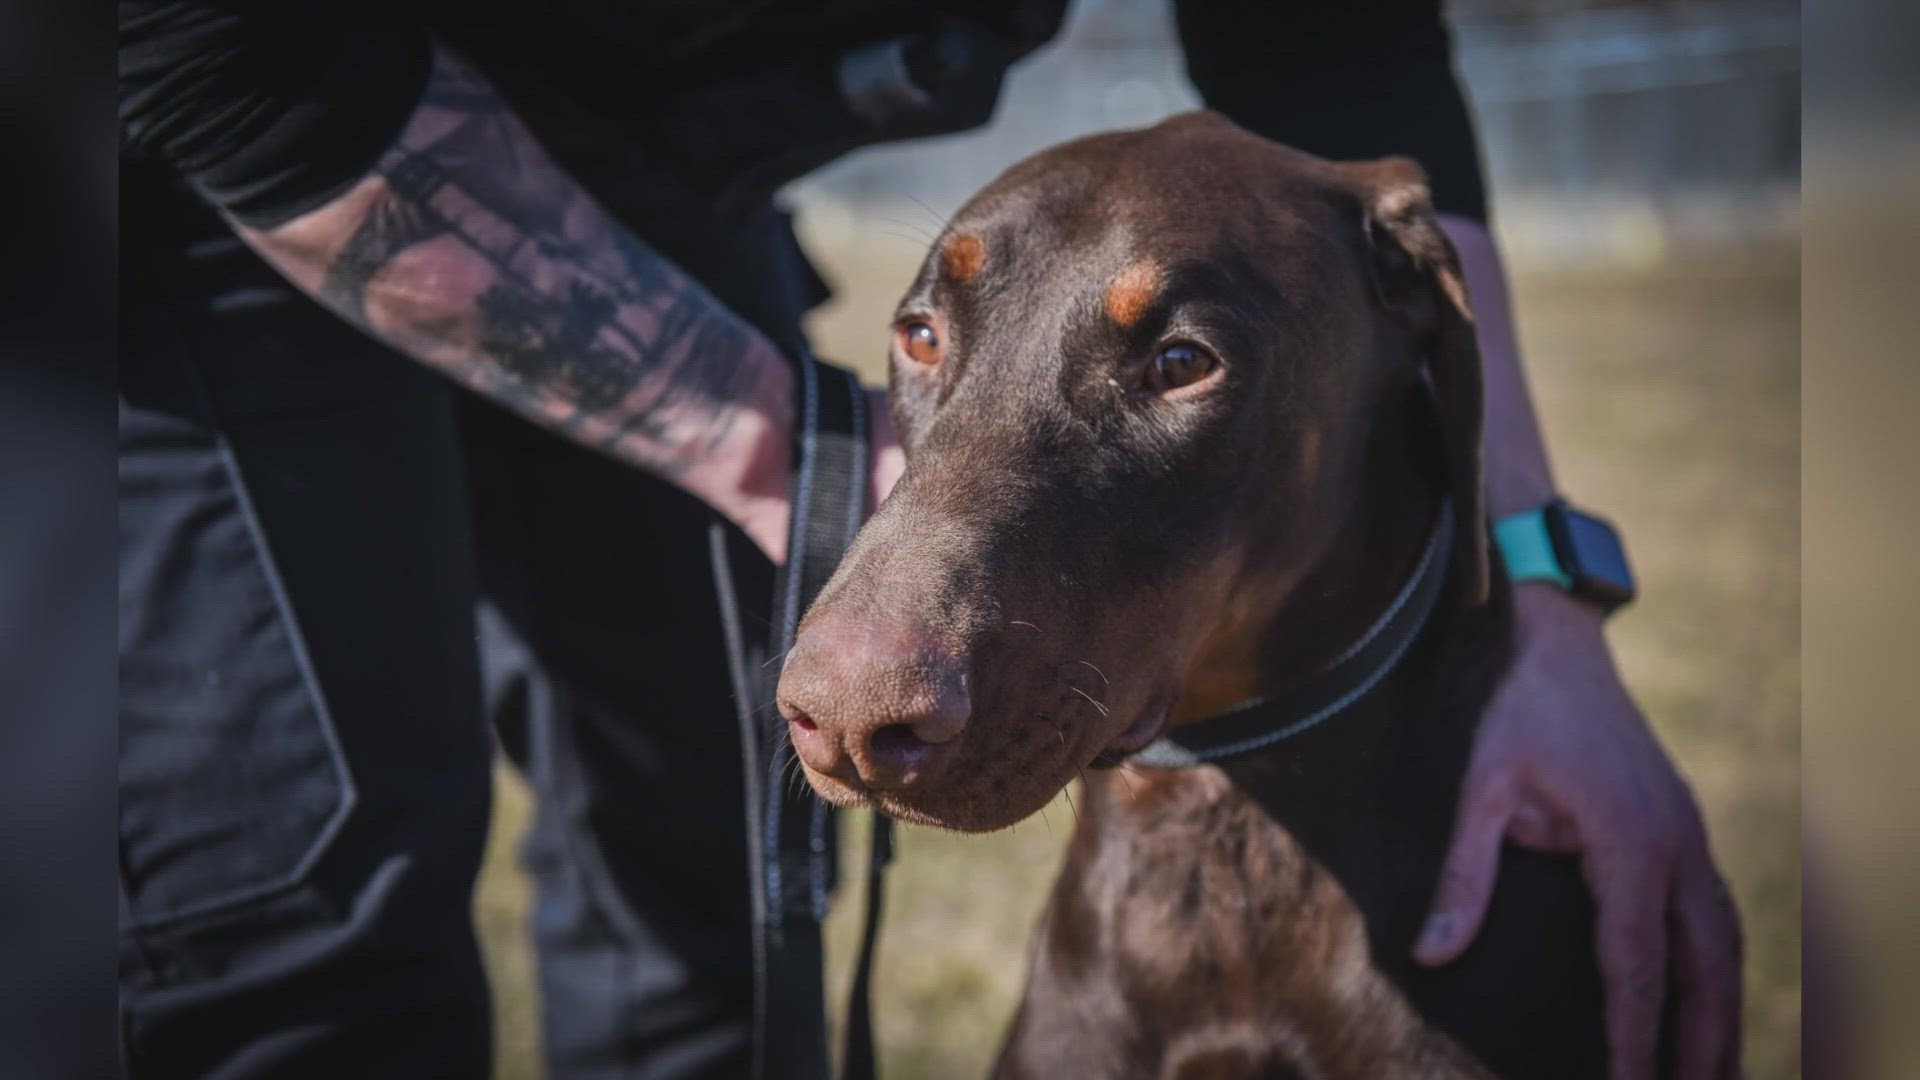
(914, 242)
(931, 212)
(888, 219)
(918, 238)
(1089, 697)
(1028, 625)
(913, 246)
(781, 655)
(1097, 671)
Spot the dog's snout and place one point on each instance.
(872, 702)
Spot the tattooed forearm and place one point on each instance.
(468, 248)
(392, 225)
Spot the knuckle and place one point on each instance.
(1640, 868)
(1490, 800)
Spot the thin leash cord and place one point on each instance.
(751, 768)
(857, 1060)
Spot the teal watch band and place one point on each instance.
(1527, 547)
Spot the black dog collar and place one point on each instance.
(1257, 724)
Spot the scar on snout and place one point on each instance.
(1132, 292)
(961, 256)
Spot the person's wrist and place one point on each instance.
(1549, 615)
(743, 471)
(1515, 487)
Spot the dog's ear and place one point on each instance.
(1418, 280)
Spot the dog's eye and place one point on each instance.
(921, 344)
(1179, 365)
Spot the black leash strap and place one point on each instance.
(790, 832)
(857, 1057)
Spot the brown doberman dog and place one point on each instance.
(1185, 411)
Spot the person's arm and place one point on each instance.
(385, 177)
(1518, 474)
(1563, 760)
(468, 249)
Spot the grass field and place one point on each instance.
(1671, 399)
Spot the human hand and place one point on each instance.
(1564, 762)
(888, 459)
(764, 518)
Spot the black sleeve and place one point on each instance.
(266, 114)
(1345, 80)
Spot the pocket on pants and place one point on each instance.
(232, 779)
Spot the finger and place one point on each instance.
(1631, 927)
(1467, 876)
(1707, 969)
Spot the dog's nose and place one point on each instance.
(872, 702)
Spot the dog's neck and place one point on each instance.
(1293, 622)
(1384, 773)
(1394, 758)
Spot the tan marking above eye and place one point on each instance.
(962, 256)
(920, 342)
(1132, 292)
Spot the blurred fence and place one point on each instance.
(1613, 132)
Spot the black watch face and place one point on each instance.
(1592, 555)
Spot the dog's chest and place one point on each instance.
(1222, 947)
(1209, 898)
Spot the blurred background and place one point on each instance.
(1644, 162)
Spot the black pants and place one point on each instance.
(309, 523)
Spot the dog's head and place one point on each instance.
(1135, 379)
